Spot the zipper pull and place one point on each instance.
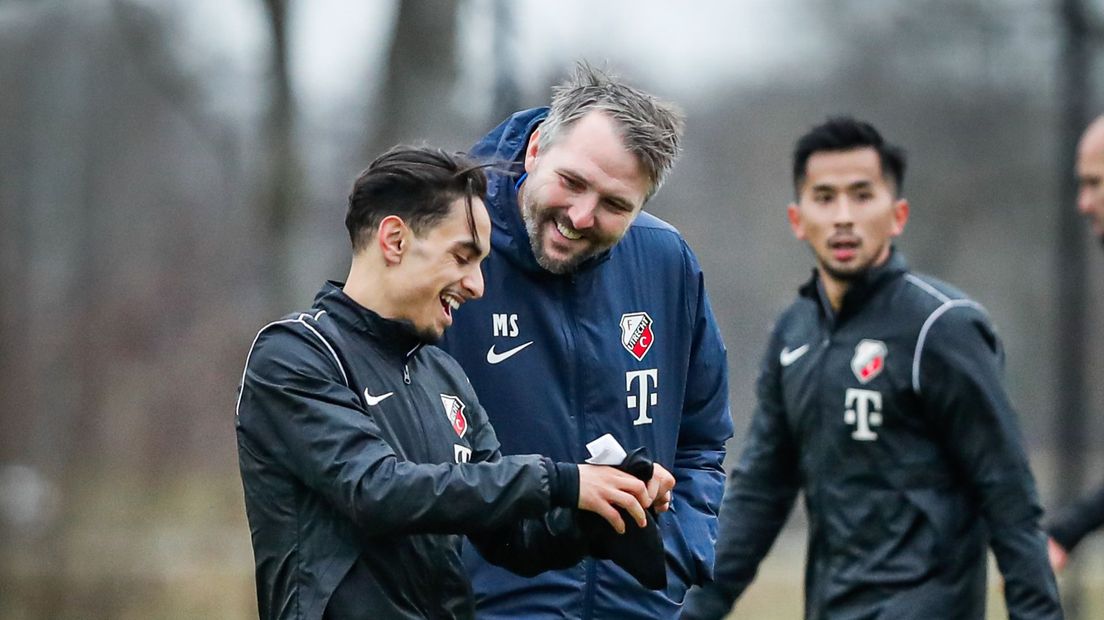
(406, 374)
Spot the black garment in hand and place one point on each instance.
(639, 550)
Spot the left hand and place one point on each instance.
(660, 487)
(1057, 554)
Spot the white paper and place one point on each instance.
(606, 450)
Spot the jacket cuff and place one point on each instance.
(1065, 533)
(563, 483)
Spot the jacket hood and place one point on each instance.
(504, 147)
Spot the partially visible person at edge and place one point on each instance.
(597, 321)
(1087, 514)
(881, 398)
(364, 451)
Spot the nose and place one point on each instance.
(473, 283)
(581, 212)
(843, 215)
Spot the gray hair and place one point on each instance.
(650, 128)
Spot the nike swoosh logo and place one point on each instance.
(788, 357)
(375, 400)
(498, 358)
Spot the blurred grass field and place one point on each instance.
(138, 550)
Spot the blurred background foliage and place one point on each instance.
(173, 175)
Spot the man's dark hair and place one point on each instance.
(418, 184)
(844, 133)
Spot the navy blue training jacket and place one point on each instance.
(626, 345)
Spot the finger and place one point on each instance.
(634, 507)
(641, 492)
(655, 489)
(667, 481)
(610, 514)
(664, 503)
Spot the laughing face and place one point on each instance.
(581, 194)
(440, 269)
(847, 212)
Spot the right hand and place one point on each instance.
(1057, 554)
(604, 489)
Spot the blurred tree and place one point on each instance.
(281, 178)
(507, 97)
(414, 104)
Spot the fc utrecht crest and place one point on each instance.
(454, 410)
(636, 333)
(869, 360)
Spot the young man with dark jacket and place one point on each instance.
(364, 451)
(596, 321)
(881, 398)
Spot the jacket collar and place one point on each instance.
(505, 147)
(862, 288)
(396, 337)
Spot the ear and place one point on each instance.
(391, 237)
(900, 216)
(793, 213)
(532, 150)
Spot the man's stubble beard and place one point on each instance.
(533, 229)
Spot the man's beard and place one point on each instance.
(845, 276)
(533, 226)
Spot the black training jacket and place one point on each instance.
(363, 456)
(892, 418)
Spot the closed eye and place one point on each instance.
(572, 183)
(618, 205)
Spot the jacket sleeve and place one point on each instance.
(532, 545)
(1077, 520)
(295, 407)
(959, 380)
(705, 426)
(760, 494)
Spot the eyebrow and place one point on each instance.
(825, 187)
(471, 245)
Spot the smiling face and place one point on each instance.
(440, 269)
(581, 194)
(847, 212)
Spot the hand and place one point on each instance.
(1058, 555)
(604, 489)
(659, 487)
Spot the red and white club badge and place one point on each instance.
(636, 333)
(869, 360)
(454, 410)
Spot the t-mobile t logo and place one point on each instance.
(864, 410)
(644, 397)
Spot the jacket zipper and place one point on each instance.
(826, 345)
(570, 305)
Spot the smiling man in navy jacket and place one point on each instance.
(596, 321)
